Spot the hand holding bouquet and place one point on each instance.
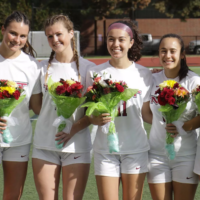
(173, 99)
(10, 96)
(67, 97)
(196, 96)
(103, 97)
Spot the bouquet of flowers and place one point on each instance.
(196, 96)
(10, 96)
(173, 99)
(66, 94)
(103, 97)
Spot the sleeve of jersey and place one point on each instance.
(148, 81)
(89, 81)
(195, 82)
(37, 87)
(85, 66)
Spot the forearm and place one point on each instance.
(80, 125)
(146, 113)
(36, 103)
(192, 124)
(88, 120)
(148, 118)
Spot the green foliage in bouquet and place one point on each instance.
(65, 105)
(103, 97)
(196, 96)
(170, 114)
(8, 105)
(67, 97)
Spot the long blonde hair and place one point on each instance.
(68, 24)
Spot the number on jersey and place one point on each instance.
(122, 109)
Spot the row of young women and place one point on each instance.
(136, 157)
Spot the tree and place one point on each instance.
(103, 8)
(172, 8)
(182, 9)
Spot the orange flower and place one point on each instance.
(89, 88)
(181, 92)
(93, 97)
(97, 79)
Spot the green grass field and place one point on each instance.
(91, 189)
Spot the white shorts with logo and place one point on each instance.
(16, 154)
(163, 170)
(61, 158)
(114, 165)
(197, 162)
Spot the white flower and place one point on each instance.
(103, 83)
(163, 84)
(12, 84)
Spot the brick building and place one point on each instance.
(149, 20)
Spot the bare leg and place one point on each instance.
(133, 186)
(14, 178)
(184, 191)
(47, 177)
(108, 187)
(75, 178)
(161, 191)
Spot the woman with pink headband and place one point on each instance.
(129, 165)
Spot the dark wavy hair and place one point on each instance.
(184, 67)
(134, 53)
(21, 17)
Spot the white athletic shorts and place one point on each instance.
(163, 170)
(114, 165)
(197, 162)
(16, 154)
(61, 158)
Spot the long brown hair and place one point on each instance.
(20, 17)
(68, 24)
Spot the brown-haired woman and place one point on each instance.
(173, 179)
(17, 65)
(74, 158)
(129, 165)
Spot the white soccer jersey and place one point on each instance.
(184, 145)
(129, 123)
(24, 70)
(44, 137)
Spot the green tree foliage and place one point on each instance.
(103, 8)
(179, 8)
(37, 10)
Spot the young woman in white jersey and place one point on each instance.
(129, 165)
(173, 179)
(18, 66)
(74, 158)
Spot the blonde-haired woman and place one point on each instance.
(74, 158)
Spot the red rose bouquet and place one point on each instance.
(66, 94)
(196, 96)
(103, 97)
(173, 99)
(10, 96)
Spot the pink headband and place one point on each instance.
(121, 26)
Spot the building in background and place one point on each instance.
(149, 21)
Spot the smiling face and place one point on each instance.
(170, 54)
(58, 37)
(118, 43)
(15, 36)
